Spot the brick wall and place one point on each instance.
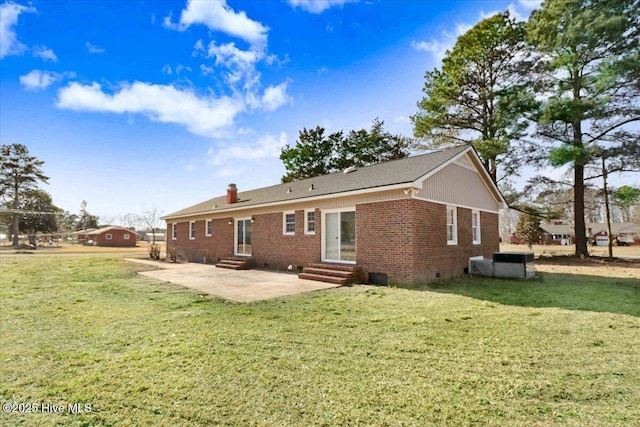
(382, 234)
(404, 239)
(269, 245)
(117, 238)
(279, 251)
(203, 248)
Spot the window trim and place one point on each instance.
(126, 236)
(192, 230)
(174, 231)
(306, 221)
(453, 225)
(208, 227)
(476, 228)
(284, 223)
(108, 236)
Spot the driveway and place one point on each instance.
(233, 285)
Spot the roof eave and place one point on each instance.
(397, 186)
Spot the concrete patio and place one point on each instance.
(233, 285)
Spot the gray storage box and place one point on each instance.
(514, 264)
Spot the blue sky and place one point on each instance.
(139, 104)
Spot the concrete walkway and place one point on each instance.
(233, 285)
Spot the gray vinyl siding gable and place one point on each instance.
(458, 185)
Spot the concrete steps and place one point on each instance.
(339, 274)
(235, 263)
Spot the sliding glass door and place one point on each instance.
(340, 236)
(243, 237)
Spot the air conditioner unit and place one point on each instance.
(480, 266)
(514, 264)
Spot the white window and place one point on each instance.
(289, 221)
(452, 225)
(475, 227)
(109, 236)
(174, 231)
(310, 222)
(192, 230)
(209, 227)
(126, 237)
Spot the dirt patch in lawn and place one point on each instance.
(593, 266)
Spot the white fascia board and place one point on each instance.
(440, 202)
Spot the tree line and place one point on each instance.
(560, 89)
(27, 209)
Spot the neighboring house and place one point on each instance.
(112, 236)
(407, 221)
(146, 235)
(81, 236)
(561, 233)
(557, 233)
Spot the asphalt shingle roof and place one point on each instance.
(109, 228)
(380, 175)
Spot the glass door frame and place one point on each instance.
(235, 236)
(324, 235)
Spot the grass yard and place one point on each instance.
(561, 350)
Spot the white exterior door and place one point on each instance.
(339, 236)
(243, 237)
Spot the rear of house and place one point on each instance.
(405, 222)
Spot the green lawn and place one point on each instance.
(555, 351)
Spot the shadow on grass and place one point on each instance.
(571, 292)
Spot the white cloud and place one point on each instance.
(438, 48)
(266, 147)
(218, 16)
(9, 13)
(166, 69)
(240, 63)
(275, 96)
(198, 47)
(180, 68)
(462, 28)
(514, 11)
(230, 56)
(272, 98)
(317, 6)
(206, 70)
(433, 46)
(530, 4)
(44, 53)
(205, 116)
(40, 80)
(93, 48)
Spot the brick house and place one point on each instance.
(113, 236)
(404, 222)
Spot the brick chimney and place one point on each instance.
(232, 194)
